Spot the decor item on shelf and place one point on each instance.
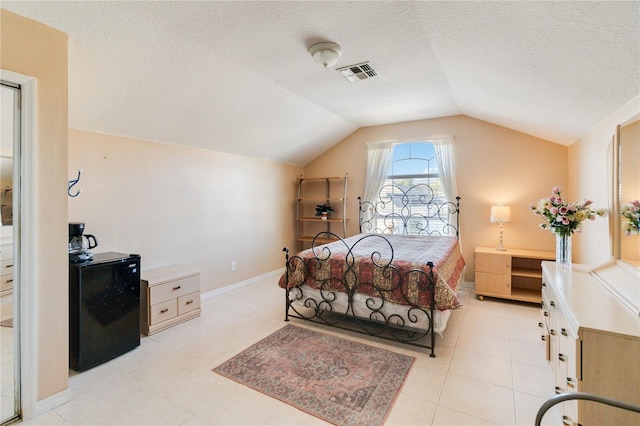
(323, 211)
(631, 214)
(325, 53)
(563, 219)
(500, 214)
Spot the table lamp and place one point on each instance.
(500, 213)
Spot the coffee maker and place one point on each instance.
(80, 243)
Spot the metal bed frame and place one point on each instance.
(399, 210)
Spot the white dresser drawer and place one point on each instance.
(188, 303)
(6, 252)
(163, 311)
(7, 282)
(174, 289)
(168, 296)
(6, 266)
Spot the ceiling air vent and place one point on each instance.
(358, 72)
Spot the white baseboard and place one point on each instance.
(235, 286)
(47, 404)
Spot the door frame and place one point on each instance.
(27, 272)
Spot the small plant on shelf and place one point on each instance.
(323, 210)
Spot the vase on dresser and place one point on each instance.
(563, 250)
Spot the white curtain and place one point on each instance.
(378, 161)
(444, 155)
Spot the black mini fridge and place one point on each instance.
(104, 308)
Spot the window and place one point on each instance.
(411, 190)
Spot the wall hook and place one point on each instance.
(72, 183)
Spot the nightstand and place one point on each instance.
(511, 274)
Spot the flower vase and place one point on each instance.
(563, 250)
(324, 216)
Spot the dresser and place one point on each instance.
(168, 296)
(510, 274)
(6, 265)
(593, 345)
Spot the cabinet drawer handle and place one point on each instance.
(545, 313)
(540, 324)
(544, 338)
(544, 284)
(9, 266)
(189, 302)
(552, 303)
(164, 311)
(562, 358)
(566, 420)
(570, 383)
(10, 281)
(558, 390)
(564, 332)
(177, 287)
(552, 332)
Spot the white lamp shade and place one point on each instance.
(500, 213)
(325, 53)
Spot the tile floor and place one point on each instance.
(490, 369)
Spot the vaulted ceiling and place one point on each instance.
(236, 76)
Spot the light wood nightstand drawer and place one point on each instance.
(164, 311)
(174, 289)
(188, 303)
(495, 263)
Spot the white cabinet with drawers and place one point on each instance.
(6, 265)
(168, 296)
(593, 345)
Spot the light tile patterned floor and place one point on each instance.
(489, 369)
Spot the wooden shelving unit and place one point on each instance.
(317, 191)
(510, 274)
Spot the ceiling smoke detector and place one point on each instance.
(358, 71)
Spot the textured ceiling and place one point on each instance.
(236, 76)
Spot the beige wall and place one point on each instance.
(173, 204)
(589, 166)
(32, 49)
(494, 165)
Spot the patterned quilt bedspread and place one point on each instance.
(390, 267)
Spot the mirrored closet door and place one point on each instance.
(9, 291)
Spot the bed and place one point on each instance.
(397, 279)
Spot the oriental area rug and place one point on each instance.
(334, 379)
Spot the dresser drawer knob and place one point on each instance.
(9, 266)
(552, 332)
(10, 281)
(562, 358)
(540, 324)
(544, 338)
(164, 311)
(558, 390)
(566, 420)
(552, 303)
(570, 383)
(189, 302)
(564, 332)
(177, 287)
(545, 313)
